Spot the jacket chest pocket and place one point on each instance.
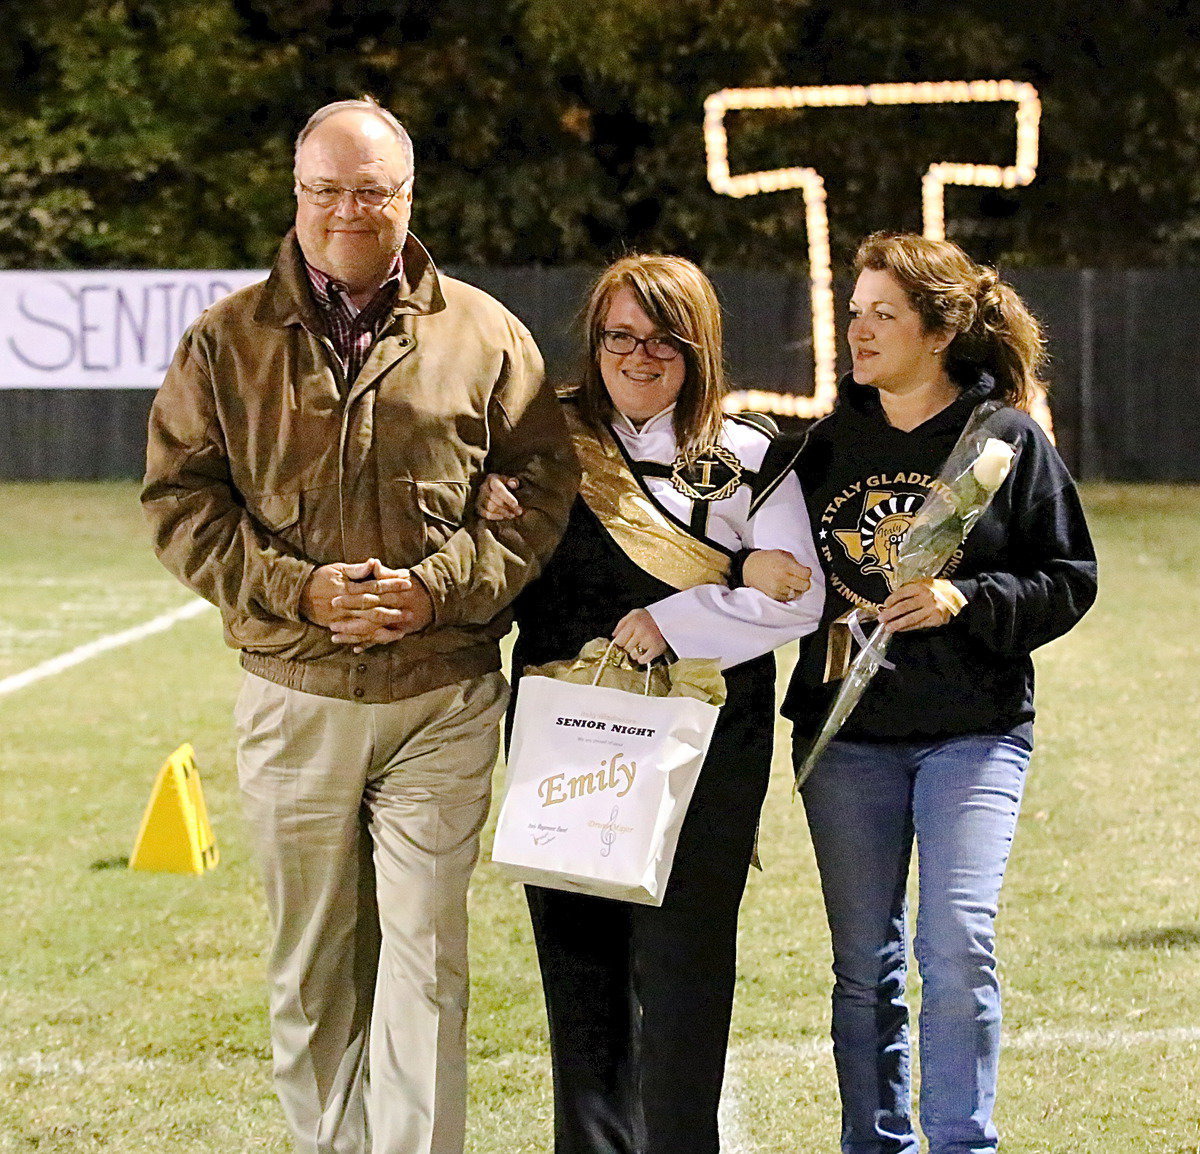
(444, 508)
(280, 514)
(429, 434)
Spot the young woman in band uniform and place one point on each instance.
(639, 998)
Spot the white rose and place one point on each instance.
(993, 463)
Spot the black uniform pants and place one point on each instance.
(639, 997)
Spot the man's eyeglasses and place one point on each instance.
(328, 195)
(621, 344)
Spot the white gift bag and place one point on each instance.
(599, 781)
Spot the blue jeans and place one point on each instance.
(864, 803)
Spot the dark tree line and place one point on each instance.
(158, 132)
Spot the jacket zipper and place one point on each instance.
(344, 393)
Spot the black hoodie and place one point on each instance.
(1027, 569)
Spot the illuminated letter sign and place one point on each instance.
(933, 185)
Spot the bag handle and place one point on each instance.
(605, 661)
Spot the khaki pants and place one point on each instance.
(366, 821)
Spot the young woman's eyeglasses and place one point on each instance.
(328, 195)
(621, 344)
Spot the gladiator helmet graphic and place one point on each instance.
(875, 543)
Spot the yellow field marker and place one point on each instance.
(175, 836)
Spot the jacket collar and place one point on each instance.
(287, 297)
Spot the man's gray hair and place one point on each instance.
(369, 105)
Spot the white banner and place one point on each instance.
(101, 330)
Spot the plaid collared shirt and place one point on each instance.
(353, 331)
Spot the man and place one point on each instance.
(313, 457)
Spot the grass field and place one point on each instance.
(133, 1005)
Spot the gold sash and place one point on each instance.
(643, 532)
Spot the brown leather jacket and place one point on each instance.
(263, 463)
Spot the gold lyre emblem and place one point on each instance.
(712, 474)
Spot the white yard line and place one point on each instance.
(92, 649)
(1045, 1038)
(1036, 1038)
(735, 1135)
(41, 1065)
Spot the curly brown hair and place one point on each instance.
(993, 329)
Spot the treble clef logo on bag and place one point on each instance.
(608, 832)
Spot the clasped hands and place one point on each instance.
(364, 603)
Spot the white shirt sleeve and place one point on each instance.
(735, 625)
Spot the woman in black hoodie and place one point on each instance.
(937, 749)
